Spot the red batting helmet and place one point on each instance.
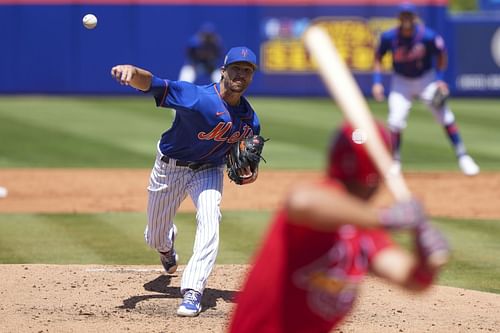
(349, 160)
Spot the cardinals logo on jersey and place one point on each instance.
(330, 291)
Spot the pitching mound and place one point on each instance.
(53, 298)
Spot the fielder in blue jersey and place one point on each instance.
(419, 58)
(190, 161)
(204, 51)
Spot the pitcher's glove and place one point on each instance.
(439, 98)
(243, 158)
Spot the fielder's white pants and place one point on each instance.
(404, 90)
(168, 186)
(189, 73)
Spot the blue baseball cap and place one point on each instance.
(240, 54)
(207, 27)
(407, 7)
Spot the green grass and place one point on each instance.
(426, 147)
(117, 238)
(475, 262)
(79, 132)
(105, 132)
(40, 131)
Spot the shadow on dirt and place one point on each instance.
(161, 285)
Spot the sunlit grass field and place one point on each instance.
(40, 131)
(121, 132)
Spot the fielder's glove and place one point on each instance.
(243, 158)
(439, 98)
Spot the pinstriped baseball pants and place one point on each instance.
(168, 186)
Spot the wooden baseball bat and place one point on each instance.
(343, 88)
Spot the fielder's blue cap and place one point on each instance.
(240, 54)
(407, 7)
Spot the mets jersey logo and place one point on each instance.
(221, 133)
(402, 54)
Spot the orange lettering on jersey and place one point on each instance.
(234, 137)
(402, 54)
(238, 136)
(247, 131)
(217, 133)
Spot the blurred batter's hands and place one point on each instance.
(432, 246)
(403, 215)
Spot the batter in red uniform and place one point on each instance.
(322, 243)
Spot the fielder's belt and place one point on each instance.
(190, 165)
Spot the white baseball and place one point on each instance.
(359, 136)
(3, 192)
(89, 21)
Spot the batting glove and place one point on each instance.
(403, 215)
(432, 246)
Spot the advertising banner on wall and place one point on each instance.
(477, 57)
(46, 49)
(285, 60)
(488, 5)
(354, 28)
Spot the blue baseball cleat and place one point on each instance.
(191, 304)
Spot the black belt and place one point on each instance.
(191, 165)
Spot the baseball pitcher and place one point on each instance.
(191, 158)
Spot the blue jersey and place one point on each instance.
(205, 50)
(205, 126)
(411, 56)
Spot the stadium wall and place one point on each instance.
(45, 48)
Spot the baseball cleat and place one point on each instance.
(191, 304)
(169, 259)
(468, 166)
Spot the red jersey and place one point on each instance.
(304, 280)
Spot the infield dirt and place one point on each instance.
(68, 298)
(445, 194)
